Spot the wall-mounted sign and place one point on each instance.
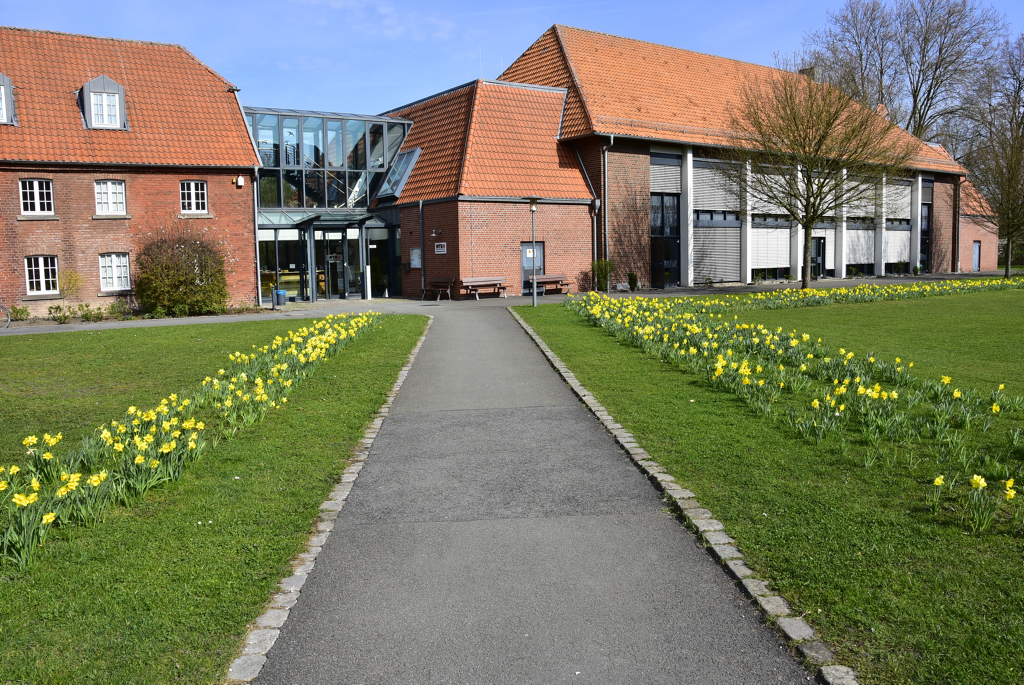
(416, 258)
(529, 253)
(440, 248)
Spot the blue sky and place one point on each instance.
(367, 57)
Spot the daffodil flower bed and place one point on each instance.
(815, 297)
(813, 388)
(120, 462)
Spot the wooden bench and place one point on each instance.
(557, 280)
(474, 285)
(439, 285)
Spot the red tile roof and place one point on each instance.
(491, 139)
(633, 88)
(179, 111)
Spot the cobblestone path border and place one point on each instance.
(711, 531)
(265, 631)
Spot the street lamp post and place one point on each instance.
(533, 237)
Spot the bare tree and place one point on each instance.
(995, 155)
(943, 45)
(858, 53)
(917, 57)
(808, 148)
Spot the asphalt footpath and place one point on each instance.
(497, 534)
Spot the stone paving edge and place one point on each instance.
(717, 543)
(264, 631)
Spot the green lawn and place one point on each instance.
(903, 597)
(152, 596)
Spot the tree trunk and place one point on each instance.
(1009, 256)
(808, 233)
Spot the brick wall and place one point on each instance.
(629, 210)
(152, 199)
(483, 239)
(491, 235)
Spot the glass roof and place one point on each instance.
(291, 217)
(317, 113)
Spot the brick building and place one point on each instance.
(475, 152)
(584, 116)
(103, 141)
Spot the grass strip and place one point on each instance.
(905, 598)
(163, 592)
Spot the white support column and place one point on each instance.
(745, 276)
(840, 242)
(880, 231)
(686, 219)
(915, 222)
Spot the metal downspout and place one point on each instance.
(604, 183)
(423, 254)
(956, 227)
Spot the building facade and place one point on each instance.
(103, 142)
(316, 237)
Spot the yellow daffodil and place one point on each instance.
(49, 518)
(978, 482)
(995, 407)
(939, 482)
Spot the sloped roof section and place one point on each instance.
(179, 111)
(633, 88)
(440, 125)
(491, 139)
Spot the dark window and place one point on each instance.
(664, 214)
(357, 189)
(662, 158)
(270, 188)
(376, 146)
(292, 188)
(355, 144)
(315, 196)
(337, 193)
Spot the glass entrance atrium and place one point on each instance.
(320, 172)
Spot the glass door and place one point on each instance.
(528, 261)
(353, 264)
(817, 258)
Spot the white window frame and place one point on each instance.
(194, 199)
(36, 196)
(3, 104)
(107, 193)
(106, 110)
(114, 271)
(44, 268)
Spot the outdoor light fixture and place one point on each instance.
(533, 235)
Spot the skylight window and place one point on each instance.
(394, 182)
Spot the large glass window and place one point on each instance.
(41, 275)
(292, 188)
(357, 189)
(270, 188)
(396, 134)
(114, 271)
(110, 197)
(36, 196)
(355, 144)
(268, 140)
(335, 144)
(337, 193)
(312, 142)
(376, 146)
(290, 142)
(315, 196)
(664, 214)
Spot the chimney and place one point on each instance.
(810, 72)
(882, 110)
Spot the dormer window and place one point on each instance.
(103, 103)
(6, 100)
